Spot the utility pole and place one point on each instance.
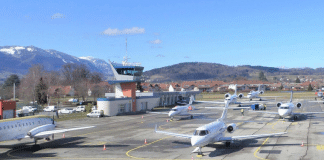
(14, 88)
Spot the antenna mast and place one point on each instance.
(125, 62)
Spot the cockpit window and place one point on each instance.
(201, 132)
(173, 109)
(284, 107)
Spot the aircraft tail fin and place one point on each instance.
(235, 89)
(192, 99)
(224, 115)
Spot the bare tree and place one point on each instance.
(52, 79)
(29, 82)
(78, 77)
(96, 77)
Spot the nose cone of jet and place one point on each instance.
(248, 96)
(171, 113)
(196, 141)
(283, 113)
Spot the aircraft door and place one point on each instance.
(19, 126)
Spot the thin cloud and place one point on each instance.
(116, 31)
(160, 55)
(156, 47)
(156, 34)
(157, 41)
(58, 15)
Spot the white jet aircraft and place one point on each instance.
(255, 94)
(215, 132)
(231, 99)
(36, 127)
(286, 109)
(181, 110)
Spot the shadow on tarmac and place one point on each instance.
(221, 149)
(23, 150)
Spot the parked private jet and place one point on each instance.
(286, 109)
(231, 99)
(214, 132)
(36, 127)
(185, 110)
(255, 94)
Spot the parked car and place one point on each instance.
(29, 108)
(73, 100)
(79, 109)
(66, 110)
(95, 113)
(50, 109)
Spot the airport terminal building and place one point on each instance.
(127, 100)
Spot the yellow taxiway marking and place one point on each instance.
(256, 151)
(320, 147)
(127, 153)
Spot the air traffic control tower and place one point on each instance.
(126, 77)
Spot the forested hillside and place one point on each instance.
(202, 70)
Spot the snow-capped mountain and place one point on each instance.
(17, 59)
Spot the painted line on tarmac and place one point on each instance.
(256, 151)
(127, 153)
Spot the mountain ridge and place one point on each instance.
(18, 59)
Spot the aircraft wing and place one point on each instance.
(201, 113)
(271, 96)
(250, 136)
(173, 134)
(159, 112)
(264, 112)
(306, 113)
(60, 131)
(249, 102)
(210, 102)
(228, 107)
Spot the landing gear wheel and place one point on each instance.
(295, 117)
(227, 144)
(239, 105)
(250, 99)
(200, 152)
(191, 116)
(260, 99)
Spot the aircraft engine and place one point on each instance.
(261, 92)
(241, 95)
(227, 95)
(279, 104)
(298, 105)
(33, 133)
(231, 128)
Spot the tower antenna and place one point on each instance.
(125, 62)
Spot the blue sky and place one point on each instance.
(160, 33)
